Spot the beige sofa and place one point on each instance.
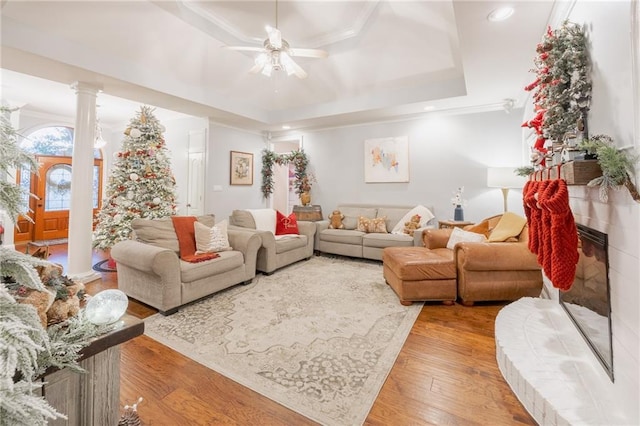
(149, 269)
(354, 243)
(276, 253)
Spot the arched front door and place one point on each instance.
(49, 210)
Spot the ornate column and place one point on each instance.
(81, 209)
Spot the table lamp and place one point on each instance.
(504, 178)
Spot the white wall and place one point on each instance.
(223, 140)
(608, 26)
(446, 151)
(177, 139)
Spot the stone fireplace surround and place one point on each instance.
(543, 356)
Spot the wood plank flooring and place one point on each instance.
(446, 374)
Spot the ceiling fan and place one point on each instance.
(276, 54)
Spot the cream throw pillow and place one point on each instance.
(459, 235)
(510, 225)
(211, 240)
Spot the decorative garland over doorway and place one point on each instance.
(269, 158)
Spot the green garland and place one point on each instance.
(524, 171)
(300, 162)
(269, 158)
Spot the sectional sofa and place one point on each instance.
(369, 245)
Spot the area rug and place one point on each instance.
(103, 266)
(318, 337)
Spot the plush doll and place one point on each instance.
(412, 225)
(335, 220)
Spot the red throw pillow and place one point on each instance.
(286, 224)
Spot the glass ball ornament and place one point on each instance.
(106, 307)
(135, 133)
(156, 200)
(134, 176)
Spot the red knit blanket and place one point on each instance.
(187, 240)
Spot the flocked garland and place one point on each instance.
(562, 88)
(269, 158)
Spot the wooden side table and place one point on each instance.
(453, 223)
(311, 213)
(92, 398)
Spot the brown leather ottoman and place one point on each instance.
(420, 274)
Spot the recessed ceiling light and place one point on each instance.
(500, 14)
(429, 108)
(286, 127)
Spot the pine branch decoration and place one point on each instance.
(12, 156)
(27, 349)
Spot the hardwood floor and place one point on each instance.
(446, 374)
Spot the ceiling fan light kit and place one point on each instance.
(276, 54)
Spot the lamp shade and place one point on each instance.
(504, 177)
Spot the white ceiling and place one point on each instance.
(387, 59)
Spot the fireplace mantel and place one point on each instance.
(577, 172)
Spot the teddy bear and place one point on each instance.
(412, 225)
(335, 220)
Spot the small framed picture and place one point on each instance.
(241, 171)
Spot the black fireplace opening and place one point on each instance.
(588, 302)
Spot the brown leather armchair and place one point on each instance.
(491, 271)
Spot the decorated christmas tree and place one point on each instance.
(141, 184)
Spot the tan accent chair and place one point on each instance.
(276, 253)
(491, 271)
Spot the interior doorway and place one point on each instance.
(284, 196)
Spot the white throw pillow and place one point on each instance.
(425, 216)
(460, 235)
(211, 240)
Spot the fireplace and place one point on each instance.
(587, 302)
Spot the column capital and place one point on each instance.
(82, 86)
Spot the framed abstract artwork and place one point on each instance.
(386, 160)
(241, 168)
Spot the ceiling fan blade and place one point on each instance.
(256, 68)
(297, 70)
(308, 53)
(275, 37)
(244, 48)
